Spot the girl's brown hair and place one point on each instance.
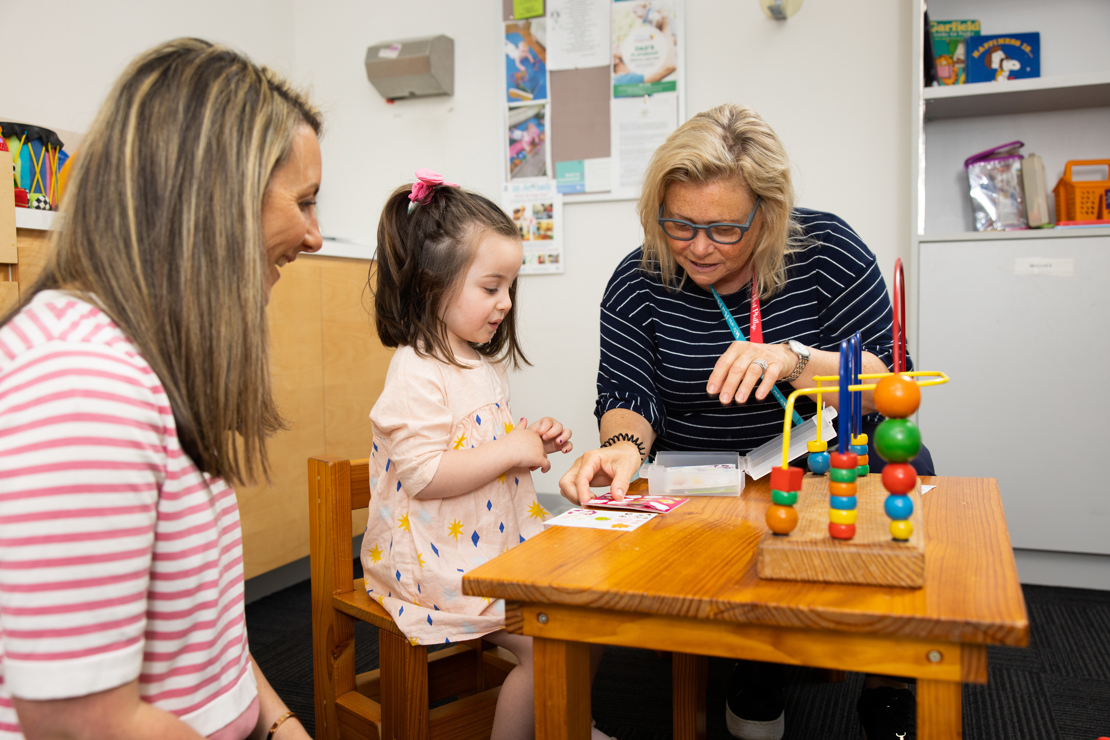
(162, 229)
(725, 142)
(420, 260)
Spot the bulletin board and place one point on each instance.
(590, 89)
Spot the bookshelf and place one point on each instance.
(1015, 343)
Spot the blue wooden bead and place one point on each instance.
(898, 506)
(842, 502)
(819, 463)
(859, 449)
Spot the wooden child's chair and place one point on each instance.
(391, 703)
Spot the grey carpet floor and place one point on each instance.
(1056, 689)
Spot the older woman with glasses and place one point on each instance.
(725, 244)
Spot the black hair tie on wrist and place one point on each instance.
(624, 437)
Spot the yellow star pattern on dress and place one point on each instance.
(460, 441)
(455, 529)
(381, 599)
(404, 522)
(501, 478)
(535, 511)
(376, 553)
(508, 427)
(412, 641)
(420, 558)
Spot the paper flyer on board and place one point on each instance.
(645, 47)
(639, 126)
(537, 210)
(577, 34)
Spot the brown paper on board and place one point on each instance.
(579, 114)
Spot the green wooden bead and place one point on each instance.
(898, 440)
(784, 498)
(842, 475)
(863, 470)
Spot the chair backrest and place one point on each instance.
(336, 487)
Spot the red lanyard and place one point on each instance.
(756, 331)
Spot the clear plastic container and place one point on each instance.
(695, 474)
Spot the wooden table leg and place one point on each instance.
(562, 680)
(940, 713)
(689, 674)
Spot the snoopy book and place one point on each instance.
(1014, 56)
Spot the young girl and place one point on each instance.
(451, 464)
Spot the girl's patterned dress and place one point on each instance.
(415, 552)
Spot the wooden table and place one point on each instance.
(686, 582)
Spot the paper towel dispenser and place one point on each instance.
(412, 68)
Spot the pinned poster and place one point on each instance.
(578, 34)
(537, 210)
(639, 126)
(645, 47)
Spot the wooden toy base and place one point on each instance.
(871, 558)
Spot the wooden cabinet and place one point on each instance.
(1017, 319)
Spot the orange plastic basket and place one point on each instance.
(1084, 200)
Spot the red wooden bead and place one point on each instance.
(788, 479)
(842, 489)
(781, 519)
(844, 459)
(842, 531)
(899, 477)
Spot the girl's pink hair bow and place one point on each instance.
(426, 183)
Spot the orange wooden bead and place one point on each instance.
(842, 489)
(897, 396)
(782, 519)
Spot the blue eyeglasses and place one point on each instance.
(721, 233)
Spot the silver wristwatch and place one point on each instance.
(802, 352)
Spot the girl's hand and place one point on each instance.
(529, 450)
(555, 437)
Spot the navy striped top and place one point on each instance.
(658, 347)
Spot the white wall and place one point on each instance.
(833, 81)
(61, 83)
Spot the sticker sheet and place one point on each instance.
(653, 504)
(621, 521)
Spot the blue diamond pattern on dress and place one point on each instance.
(375, 447)
(522, 538)
(429, 619)
(398, 485)
(478, 419)
(474, 538)
(434, 548)
(400, 611)
(502, 527)
(398, 575)
(387, 462)
(517, 481)
(489, 505)
(418, 588)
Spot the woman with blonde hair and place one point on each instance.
(723, 237)
(134, 391)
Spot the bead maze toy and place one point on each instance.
(856, 545)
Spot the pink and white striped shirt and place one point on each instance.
(119, 560)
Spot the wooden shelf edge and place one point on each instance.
(1066, 92)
